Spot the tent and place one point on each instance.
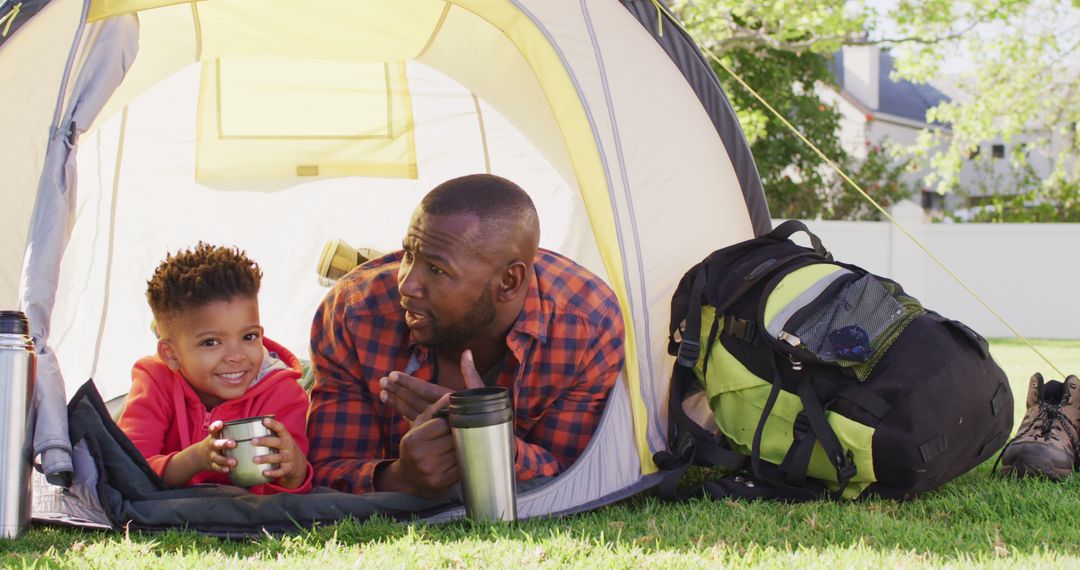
(136, 127)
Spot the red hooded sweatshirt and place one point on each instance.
(163, 415)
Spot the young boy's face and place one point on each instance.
(217, 348)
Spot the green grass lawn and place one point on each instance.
(976, 520)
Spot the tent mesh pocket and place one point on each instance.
(857, 326)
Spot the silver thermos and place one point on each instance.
(481, 422)
(17, 364)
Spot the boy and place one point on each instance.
(213, 365)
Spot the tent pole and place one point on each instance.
(483, 133)
(112, 241)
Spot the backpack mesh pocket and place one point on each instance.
(857, 326)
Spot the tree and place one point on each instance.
(797, 185)
(785, 60)
(782, 47)
(1024, 88)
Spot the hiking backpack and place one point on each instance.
(804, 378)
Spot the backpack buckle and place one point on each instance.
(684, 445)
(741, 329)
(800, 427)
(680, 453)
(689, 350)
(845, 467)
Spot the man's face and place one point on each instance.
(446, 289)
(217, 348)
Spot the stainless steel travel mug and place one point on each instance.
(17, 368)
(247, 473)
(481, 422)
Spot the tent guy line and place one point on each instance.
(854, 185)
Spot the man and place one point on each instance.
(470, 301)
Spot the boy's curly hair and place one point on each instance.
(191, 278)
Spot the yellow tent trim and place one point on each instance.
(592, 181)
(563, 100)
(101, 9)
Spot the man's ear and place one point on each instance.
(513, 280)
(167, 354)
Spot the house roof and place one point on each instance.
(900, 98)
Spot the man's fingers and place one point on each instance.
(407, 394)
(407, 408)
(433, 409)
(397, 382)
(468, 371)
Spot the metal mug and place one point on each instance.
(17, 370)
(481, 424)
(247, 473)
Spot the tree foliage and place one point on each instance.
(1024, 89)
(796, 182)
(1023, 79)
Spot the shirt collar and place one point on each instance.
(532, 320)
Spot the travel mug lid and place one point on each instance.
(480, 407)
(14, 322)
(479, 401)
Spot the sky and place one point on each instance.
(955, 63)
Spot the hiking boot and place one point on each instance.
(1048, 441)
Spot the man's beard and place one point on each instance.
(480, 315)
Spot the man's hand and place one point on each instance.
(292, 465)
(410, 396)
(426, 464)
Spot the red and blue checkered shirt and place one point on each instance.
(565, 354)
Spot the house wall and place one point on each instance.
(882, 130)
(857, 132)
(987, 175)
(853, 133)
(1026, 272)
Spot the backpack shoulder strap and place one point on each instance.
(689, 443)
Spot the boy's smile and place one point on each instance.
(217, 348)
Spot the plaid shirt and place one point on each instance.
(565, 353)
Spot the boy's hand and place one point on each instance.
(205, 455)
(213, 450)
(292, 464)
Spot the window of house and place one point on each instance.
(932, 200)
(997, 151)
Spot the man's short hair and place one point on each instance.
(192, 278)
(486, 196)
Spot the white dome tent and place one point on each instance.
(144, 126)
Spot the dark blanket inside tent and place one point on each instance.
(131, 495)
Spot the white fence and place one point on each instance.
(1028, 273)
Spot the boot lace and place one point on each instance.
(1043, 427)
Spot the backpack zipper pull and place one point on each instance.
(789, 338)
